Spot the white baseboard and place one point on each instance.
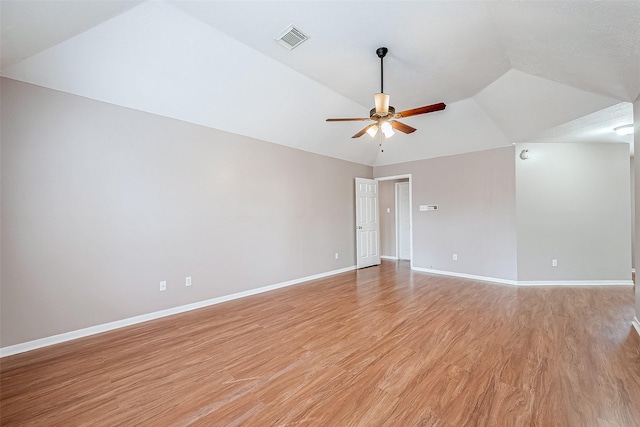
(81, 333)
(528, 283)
(636, 324)
(577, 283)
(392, 258)
(465, 276)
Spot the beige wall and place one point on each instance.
(507, 218)
(573, 205)
(475, 193)
(100, 203)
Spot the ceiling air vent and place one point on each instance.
(291, 37)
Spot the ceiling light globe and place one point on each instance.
(386, 128)
(373, 130)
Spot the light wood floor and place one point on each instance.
(382, 346)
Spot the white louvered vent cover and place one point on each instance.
(291, 37)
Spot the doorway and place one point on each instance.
(403, 223)
(395, 201)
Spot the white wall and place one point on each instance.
(573, 205)
(475, 193)
(100, 203)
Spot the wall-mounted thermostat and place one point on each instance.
(428, 208)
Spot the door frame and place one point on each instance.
(393, 178)
(397, 225)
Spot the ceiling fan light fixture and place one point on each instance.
(382, 103)
(386, 128)
(382, 114)
(373, 130)
(624, 130)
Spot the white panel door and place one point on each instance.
(367, 224)
(403, 220)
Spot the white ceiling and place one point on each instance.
(509, 71)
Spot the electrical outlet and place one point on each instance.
(455, 257)
(554, 263)
(187, 281)
(163, 286)
(337, 255)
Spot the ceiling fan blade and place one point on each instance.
(362, 132)
(401, 126)
(422, 110)
(358, 119)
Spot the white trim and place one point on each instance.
(391, 178)
(411, 220)
(409, 177)
(465, 276)
(92, 330)
(528, 283)
(633, 270)
(397, 224)
(578, 283)
(395, 201)
(636, 324)
(392, 258)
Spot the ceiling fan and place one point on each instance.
(384, 114)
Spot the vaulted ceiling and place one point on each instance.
(509, 71)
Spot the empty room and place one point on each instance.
(319, 213)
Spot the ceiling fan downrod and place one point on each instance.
(381, 52)
(381, 99)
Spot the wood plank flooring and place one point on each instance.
(383, 346)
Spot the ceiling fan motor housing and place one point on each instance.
(374, 115)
